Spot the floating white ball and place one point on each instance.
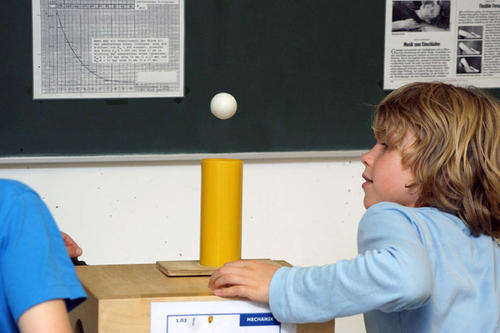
(223, 105)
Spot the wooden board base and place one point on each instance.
(194, 268)
(184, 268)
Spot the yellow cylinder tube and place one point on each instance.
(221, 196)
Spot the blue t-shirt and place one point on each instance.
(419, 270)
(34, 264)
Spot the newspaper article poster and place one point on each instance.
(454, 41)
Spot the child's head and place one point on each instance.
(429, 10)
(455, 154)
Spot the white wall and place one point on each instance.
(301, 211)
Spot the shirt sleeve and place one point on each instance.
(401, 12)
(391, 273)
(34, 264)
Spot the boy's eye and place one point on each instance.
(385, 145)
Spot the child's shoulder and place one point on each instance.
(10, 188)
(428, 218)
(411, 213)
(15, 199)
(392, 207)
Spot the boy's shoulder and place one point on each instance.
(15, 198)
(13, 185)
(419, 217)
(392, 206)
(389, 207)
(10, 188)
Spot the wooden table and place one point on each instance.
(120, 296)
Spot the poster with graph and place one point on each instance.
(108, 48)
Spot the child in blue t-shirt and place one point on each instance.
(428, 258)
(38, 283)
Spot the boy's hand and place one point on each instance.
(249, 279)
(73, 249)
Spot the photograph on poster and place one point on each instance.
(469, 65)
(420, 15)
(470, 32)
(471, 47)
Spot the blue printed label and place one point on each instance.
(257, 319)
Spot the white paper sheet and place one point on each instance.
(214, 317)
(108, 48)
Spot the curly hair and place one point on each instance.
(455, 156)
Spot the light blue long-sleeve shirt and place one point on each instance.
(419, 270)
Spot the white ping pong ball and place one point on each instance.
(223, 105)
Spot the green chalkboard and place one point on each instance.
(306, 74)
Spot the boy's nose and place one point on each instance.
(367, 158)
